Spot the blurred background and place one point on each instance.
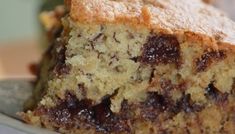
(21, 33)
(19, 18)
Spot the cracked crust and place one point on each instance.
(199, 20)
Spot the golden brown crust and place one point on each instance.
(171, 16)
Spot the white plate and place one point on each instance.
(13, 93)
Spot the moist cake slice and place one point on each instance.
(138, 66)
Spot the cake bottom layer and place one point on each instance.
(158, 114)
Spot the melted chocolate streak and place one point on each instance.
(208, 58)
(72, 113)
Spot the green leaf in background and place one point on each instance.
(50, 4)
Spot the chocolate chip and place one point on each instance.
(187, 105)
(67, 110)
(102, 111)
(156, 101)
(208, 58)
(166, 86)
(127, 111)
(72, 112)
(99, 36)
(82, 90)
(114, 37)
(163, 105)
(60, 66)
(163, 49)
(155, 105)
(152, 76)
(135, 59)
(61, 69)
(212, 93)
(106, 120)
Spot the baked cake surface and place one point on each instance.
(137, 66)
(159, 15)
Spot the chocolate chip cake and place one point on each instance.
(138, 67)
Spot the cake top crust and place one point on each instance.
(167, 16)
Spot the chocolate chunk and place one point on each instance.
(208, 58)
(213, 93)
(127, 111)
(60, 66)
(72, 112)
(155, 105)
(82, 90)
(163, 49)
(67, 110)
(135, 59)
(61, 69)
(166, 87)
(156, 101)
(102, 113)
(162, 105)
(152, 76)
(187, 105)
(106, 120)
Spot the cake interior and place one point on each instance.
(115, 78)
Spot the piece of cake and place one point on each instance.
(138, 67)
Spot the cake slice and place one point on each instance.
(139, 67)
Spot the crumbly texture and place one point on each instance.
(132, 67)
